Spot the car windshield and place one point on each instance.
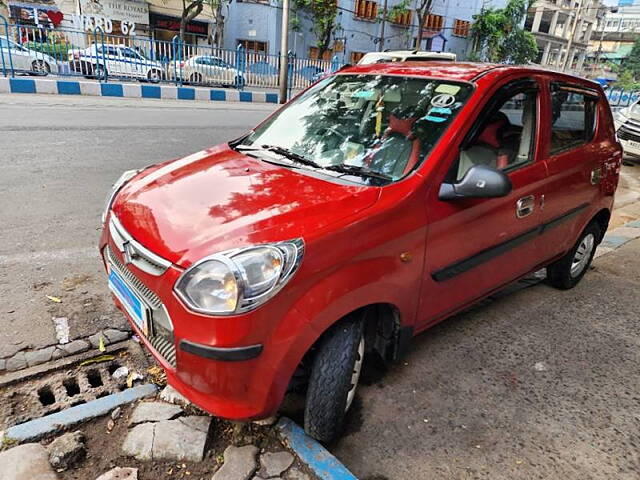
(385, 125)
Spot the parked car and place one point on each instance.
(25, 60)
(406, 56)
(627, 122)
(206, 70)
(115, 61)
(377, 203)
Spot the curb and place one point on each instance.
(39, 427)
(311, 453)
(618, 237)
(131, 90)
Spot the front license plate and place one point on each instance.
(134, 306)
(634, 145)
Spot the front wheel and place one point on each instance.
(40, 67)
(334, 377)
(569, 270)
(154, 76)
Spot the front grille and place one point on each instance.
(626, 134)
(163, 345)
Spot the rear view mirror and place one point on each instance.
(480, 181)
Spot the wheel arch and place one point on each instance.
(602, 218)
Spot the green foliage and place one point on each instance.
(56, 50)
(324, 20)
(632, 62)
(497, 35)
(626, 81)
(396, 11)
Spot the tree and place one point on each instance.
(497, 34)
(423, 9)
(323, 14)
(192, 8)
(632, 62)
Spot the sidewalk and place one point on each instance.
(539, 383)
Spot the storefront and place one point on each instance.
(166, 27)
(114, 17)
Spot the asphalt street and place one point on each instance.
(533, 384)
(58, 158)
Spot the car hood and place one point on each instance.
(220, 199)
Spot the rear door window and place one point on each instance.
(573, 117)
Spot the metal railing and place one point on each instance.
(621, 98)
(34, 50)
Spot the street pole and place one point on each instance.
(384, 20)
(573, 33)
(284, 47)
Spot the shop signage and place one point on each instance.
(91, 22)
(164, 22)
(121, 10)
(40, 15)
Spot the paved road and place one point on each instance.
(538, 384)
(58, 159)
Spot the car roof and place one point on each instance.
(461, 71)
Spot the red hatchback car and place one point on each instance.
(378, 202)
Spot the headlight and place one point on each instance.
(239, 280)
(620, 116)
(124, 178)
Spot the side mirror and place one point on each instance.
(480, 181)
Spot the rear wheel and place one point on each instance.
(195, 79)
(239, 82)
(569, 270)
(334, 378)
(99, 72)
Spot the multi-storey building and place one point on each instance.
(617, 31)
(553, 22)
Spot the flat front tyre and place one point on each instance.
(569, 270)
(334, 377)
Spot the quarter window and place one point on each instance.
(573, 117)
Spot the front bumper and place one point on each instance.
(235, 367)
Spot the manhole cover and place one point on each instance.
(60, 389)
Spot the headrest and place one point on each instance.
(491, 133)
(402, 126)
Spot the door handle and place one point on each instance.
(525, 206)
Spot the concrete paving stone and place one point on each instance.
(95, 339)
(239, 463)
(37, 357)
(26, 462)
(17, 362)
(614, 241)
(77, 346)
(58, 353)
(175, 440)
(602, 251)
(67, 450)
(171, 395)
(115, 335)
(295, 474)
(120, 473)
(200, 423)
(139, 442)
(153, 412)
(634, 224)
(274, 463)
(3, 364)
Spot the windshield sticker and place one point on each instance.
(431, 118)
(443, 100)
(442, 110)
(450, 89)
(366, 94)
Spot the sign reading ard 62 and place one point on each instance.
(123, 10)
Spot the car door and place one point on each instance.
(575, 153)
(132, 63)
(477, 245)
(113, 61)
(20, 56)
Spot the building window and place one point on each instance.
(338, 46)
(253, 46)
(366, 9)
(461, 28)
(405, 19)
(356, 56)
(314, 54)
(433, 23)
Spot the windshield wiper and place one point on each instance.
(359, 171)
(285, 152)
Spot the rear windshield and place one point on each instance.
(387, 124)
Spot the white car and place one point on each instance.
(26, 60)
(406, 56)
(206, 70)
(115, 61)
(627, 124)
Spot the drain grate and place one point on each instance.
(59, 390)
